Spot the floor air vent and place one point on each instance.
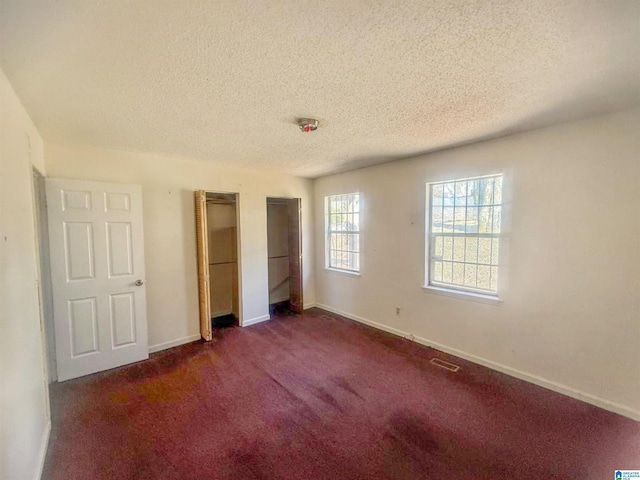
(442, 364)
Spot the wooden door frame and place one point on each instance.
(202, 256)
(45, 294)
(289, 201)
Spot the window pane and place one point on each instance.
(334, 204)
(447, 272)
(485, 219)
(447, 219)
(497, 192)
(495, 251)
(447, 253)
(460, 218)
(470, 275)
(448, 194)
(436, 219)
(461, 194)
(484, 251)
(437, 271)
(483, 277)
(436, 194)
(437, 245)
(472, 220)
(497, 219)
(353, 242)
(471, 250)
(335, 241)
(333, 260)
(494, 279)
(458, 249)
(458, 273)
(354, 263)
(486, 191)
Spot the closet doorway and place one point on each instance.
(284, 246)
(218, 242)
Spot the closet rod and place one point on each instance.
(281, 256)
(223, 263)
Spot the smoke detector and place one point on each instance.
(308, 124)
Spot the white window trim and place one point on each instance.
(327, 238)
(347, 273)
(463, 294)
(456, 291)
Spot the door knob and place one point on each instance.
(139, 283)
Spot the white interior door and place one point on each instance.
(97, 270)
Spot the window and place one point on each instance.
(464, 223)
(343, 232)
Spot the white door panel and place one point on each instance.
(97, 255)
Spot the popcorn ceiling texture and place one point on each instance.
(223, 81)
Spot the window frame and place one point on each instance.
(329, 232)
(450, 289)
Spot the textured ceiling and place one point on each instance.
(224, 80)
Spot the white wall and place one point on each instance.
(169, 228)
(570, 316)
(24, 404)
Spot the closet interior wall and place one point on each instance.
(278, 252)
(223, 259)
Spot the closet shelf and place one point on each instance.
(223, 263)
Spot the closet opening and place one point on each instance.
(284, 246)
(218, 242)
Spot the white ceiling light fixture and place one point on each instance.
(308, 124)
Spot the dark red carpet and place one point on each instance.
(316, 396)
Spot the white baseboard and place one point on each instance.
(307, 306)
(377, 325)
(42, 455)
(222, 313)
(528, 377)
(173, 343)
(253, 321)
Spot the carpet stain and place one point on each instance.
(412, 433)
(250, 462)
(343, 384)
(322, 394)
(119, 397)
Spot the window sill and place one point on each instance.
(472, 296)
(342, 272)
